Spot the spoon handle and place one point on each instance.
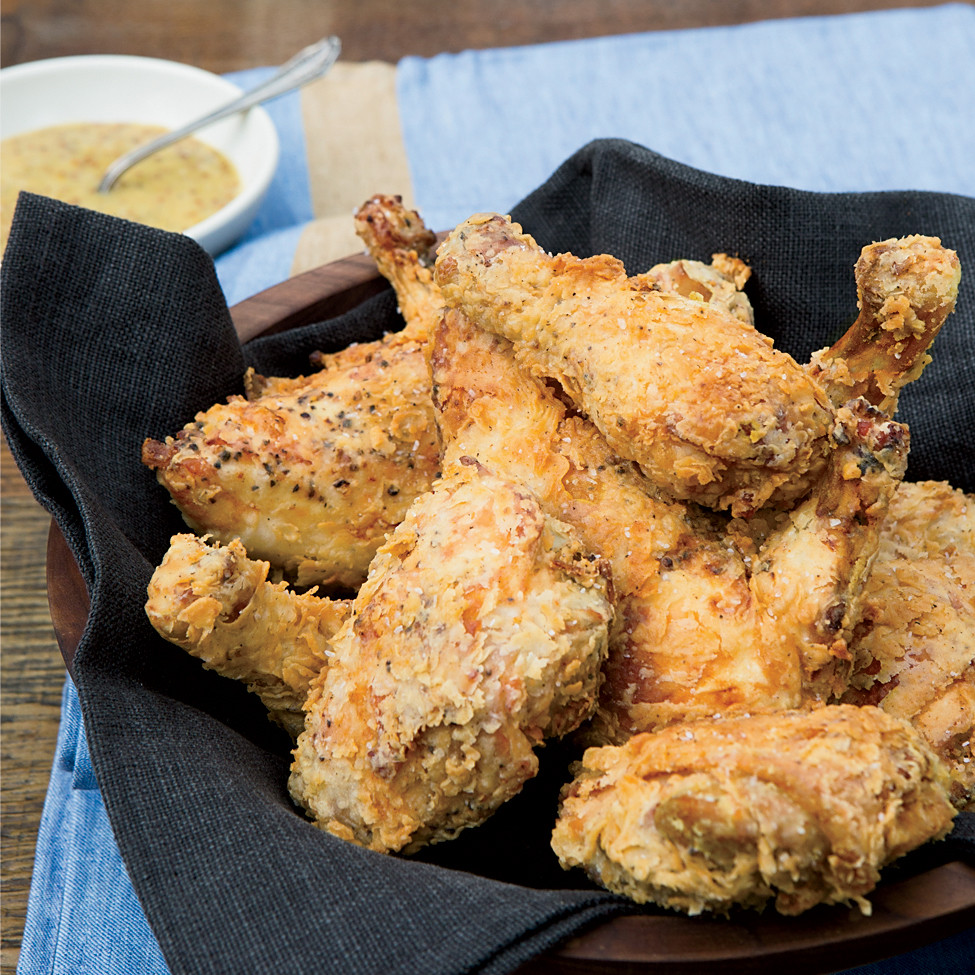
(309, 63)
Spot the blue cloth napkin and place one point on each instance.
(878, 101)
(856, 102)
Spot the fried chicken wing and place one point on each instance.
(218, 605)
(906, 289)
(479, 632)
(704, 625)
(702, 401)
(915, 642)
(803, 807)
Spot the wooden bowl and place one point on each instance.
(909, 911)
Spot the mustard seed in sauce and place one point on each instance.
(173, 189)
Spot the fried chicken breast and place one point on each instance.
(915, 641)
(310, 477)
(219, 606)
(704, 625)
(312, 472)
(803, 807)
(480, 631)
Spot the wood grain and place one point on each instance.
(226, 35)
(32, 677)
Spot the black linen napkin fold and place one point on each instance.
(113, 332)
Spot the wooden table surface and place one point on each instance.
(228, 35)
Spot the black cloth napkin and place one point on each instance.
(113, 332)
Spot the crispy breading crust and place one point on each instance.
(703, 627)
(218, 605)
(906, 289)
(915, 641)
(803, 807)
(312, 472)
(699, 399)
(480, 631)
(311, 476)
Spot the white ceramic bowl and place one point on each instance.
(119, 88)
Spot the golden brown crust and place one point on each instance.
(403, 248)
(480, 631)
(218, 605)
(906, 288)
(705, 626)
(915, 641)
(719, 283)
(700, 400)
(803, 807)
(311, 474)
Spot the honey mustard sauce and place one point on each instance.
(173, 189)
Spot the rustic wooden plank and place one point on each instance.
(226, 35)
(31, 680)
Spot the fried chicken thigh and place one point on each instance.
(479, 632)
(218, 605)
(699, 399)
(914, 644)
(803, 807)
(704, 626)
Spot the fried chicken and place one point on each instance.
(311, 473)
(803, 807)
(700, 400)
(915, 642)
(697, 397)
(404, 250)
(479, 632)
(218, 605)
(312, 477)
(719, 283)
(906, 289)
(705, 625)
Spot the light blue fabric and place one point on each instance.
(83, 916)
(264, 254)
(871, 101)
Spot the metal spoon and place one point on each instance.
(309, 63)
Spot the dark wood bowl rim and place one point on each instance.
(907, 912)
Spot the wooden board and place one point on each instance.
(908, 911)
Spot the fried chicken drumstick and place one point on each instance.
(218, 605)
(703, 628)
(906, 289)
(804, 807)
(480, 632)
(701, 401)
(704, 404)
